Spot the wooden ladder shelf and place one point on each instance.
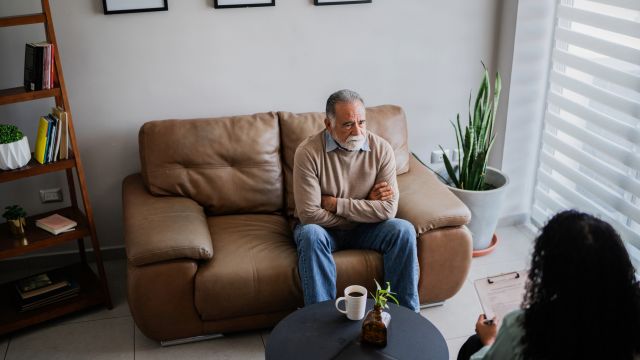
(94, 290)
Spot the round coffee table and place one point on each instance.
(319, 331)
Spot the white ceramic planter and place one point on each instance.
(15, 155)
(485, 207)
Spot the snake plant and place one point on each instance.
(476, 139)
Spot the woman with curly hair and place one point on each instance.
(582, 299)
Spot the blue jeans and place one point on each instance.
(394, 238)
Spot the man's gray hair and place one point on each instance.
(344, 95)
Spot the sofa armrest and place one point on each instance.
(160, 228)
(426, 202)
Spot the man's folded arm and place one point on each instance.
(368, 211)
(307, 194)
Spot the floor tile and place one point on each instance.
(246, 346)
(265, 336)
(454, 346)
(513, 244)
(4, 344)
(102, 339)
(457, 317)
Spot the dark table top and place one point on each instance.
(319, 331)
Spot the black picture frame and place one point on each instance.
(241, 4)
(339, 2)
(108, 7)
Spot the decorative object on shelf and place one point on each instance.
(376, 322)
(480, 187)
(14, 148)
(56, 224)
(17, 220)
(133, 6)
(222, 4)
(339, 2)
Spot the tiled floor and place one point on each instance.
(104, 334)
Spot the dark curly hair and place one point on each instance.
(582, 299)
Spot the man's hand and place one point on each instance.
(486, 329)
(381, 191)
(329, 203)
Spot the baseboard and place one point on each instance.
(61, 258)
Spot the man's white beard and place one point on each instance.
(353, 143)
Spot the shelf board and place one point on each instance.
(35, 168)
(22, 19)
(19, 94)
(90, 295)
(36, 238)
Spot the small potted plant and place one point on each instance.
(376, 323)
(16, 217)
(14, 148)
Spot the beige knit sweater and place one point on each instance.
(346, 175)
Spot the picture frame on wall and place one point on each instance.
(339, 2)
(223, 4)
(133, 6)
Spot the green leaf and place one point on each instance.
(394, 299)
(452, 174)
(476, 139)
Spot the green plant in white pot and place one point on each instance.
(480, 187)
(14, 148)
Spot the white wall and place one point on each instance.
(196, 61)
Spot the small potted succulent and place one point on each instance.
(16, 217)
(14, 148)
(376, 322)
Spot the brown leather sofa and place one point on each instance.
(208, 242)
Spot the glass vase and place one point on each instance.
(375, 327)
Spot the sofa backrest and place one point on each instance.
(387, 121)
(228, 165)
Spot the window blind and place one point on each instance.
(590, 150)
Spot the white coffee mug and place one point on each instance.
(355, 298)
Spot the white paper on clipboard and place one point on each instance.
(501, 294)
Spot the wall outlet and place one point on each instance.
(51, 195)
(437, 156)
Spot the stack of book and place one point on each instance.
(52, 140)
(56, 224)
(43, 289)
(39, 70)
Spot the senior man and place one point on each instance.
(346, 197)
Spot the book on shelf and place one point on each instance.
(52, 139)
(56, 224)
(41, 139)
(62, 145)
(59, 288)
(39, 284)
(39, 66)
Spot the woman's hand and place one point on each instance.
(486, 329)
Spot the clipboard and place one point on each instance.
(501, 294)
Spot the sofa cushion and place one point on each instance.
(427, 203)
(228, 165)
(253, 269)
(387, 121)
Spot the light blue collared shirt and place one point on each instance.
(331, 144)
